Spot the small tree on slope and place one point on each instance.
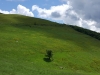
(49, 54)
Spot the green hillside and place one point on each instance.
(24, 41)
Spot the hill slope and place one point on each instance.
(24, 40)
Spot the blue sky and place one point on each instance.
(83, 13)
(10, 4)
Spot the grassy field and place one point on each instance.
(24, 41)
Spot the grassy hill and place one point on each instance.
(24, 41)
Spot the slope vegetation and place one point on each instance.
(24, 41)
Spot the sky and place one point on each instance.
(82, 13)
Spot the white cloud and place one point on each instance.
(20, 10)
(89, 11)
(83, 13)
(54, 12)
(3, 11)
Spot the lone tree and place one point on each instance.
(49, 54)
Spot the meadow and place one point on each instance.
(24, 41)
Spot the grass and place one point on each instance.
(23, 47)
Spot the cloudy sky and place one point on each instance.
(83, 13)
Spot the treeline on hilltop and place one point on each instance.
(86, 31)
(1, 13)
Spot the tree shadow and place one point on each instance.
(47, 59)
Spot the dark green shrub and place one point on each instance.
(49, 54)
